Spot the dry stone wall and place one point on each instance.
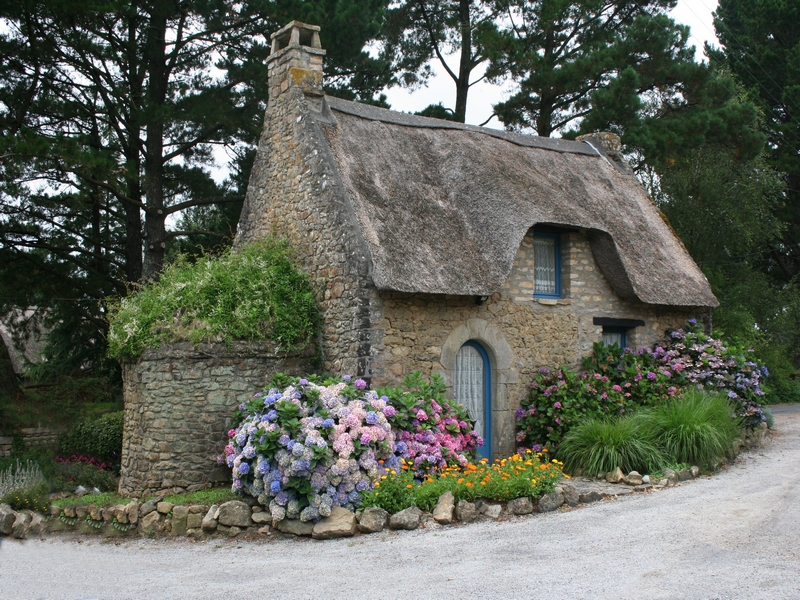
(178, 403)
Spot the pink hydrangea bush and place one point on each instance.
(432, 432)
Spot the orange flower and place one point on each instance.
(469, 484)
(409, 486)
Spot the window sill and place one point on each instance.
(553, 301)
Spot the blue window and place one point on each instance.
(546, 265)
(473, 388)
(614, 335)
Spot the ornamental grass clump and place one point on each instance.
(696, 428)
(311, 446)
(432, 432)
(253, 294)
(602, 445)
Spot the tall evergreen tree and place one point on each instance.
(761, 46)
(110, 114)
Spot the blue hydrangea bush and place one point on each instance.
(311, 446)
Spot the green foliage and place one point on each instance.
(104, 499)
(393, 493)
(60, 403)
(33, 497)
(100, 438)
(696, 428)
(255, 293)
(208, 496)
(601, 445)
(71, 474)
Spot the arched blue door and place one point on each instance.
(473, 388)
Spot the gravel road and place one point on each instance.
(734, 535)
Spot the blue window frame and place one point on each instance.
(614, 335)
(546, 265)
(473, 388)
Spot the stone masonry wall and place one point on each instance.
(294, 194)
(520, 333)
(178, 404)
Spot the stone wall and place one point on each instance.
(178, 404)
(520, 333)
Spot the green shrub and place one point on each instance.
(100, 438)
(71, 474)
(696, 428)
(32, 497)
(255, 293)
(601, 445)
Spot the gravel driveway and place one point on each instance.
(734, 535)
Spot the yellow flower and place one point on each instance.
(377, 484)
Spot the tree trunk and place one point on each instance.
(155, 228)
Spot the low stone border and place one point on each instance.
(247, 518)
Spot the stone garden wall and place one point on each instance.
(178, 404)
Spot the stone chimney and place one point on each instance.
(611, 144)
(295, 61)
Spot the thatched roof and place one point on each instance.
(443, 207)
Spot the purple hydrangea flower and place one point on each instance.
(346, 378)
(303, 382)
(651, 375)
(244, 468)
(263, 467)
(389, 411)
(275, 487)
(327, 423)
(272, 415)
(372, 418)
(360, 384)
(544, 371)
(536, 448)
(557, 404)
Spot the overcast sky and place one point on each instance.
(695, 13)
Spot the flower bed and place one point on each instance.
(618, 380)
(519, 476)
(307, 446)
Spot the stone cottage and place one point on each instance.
(477, 254)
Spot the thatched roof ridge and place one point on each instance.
(375, 113)
(443, 206)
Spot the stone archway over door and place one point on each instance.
(501, 376)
